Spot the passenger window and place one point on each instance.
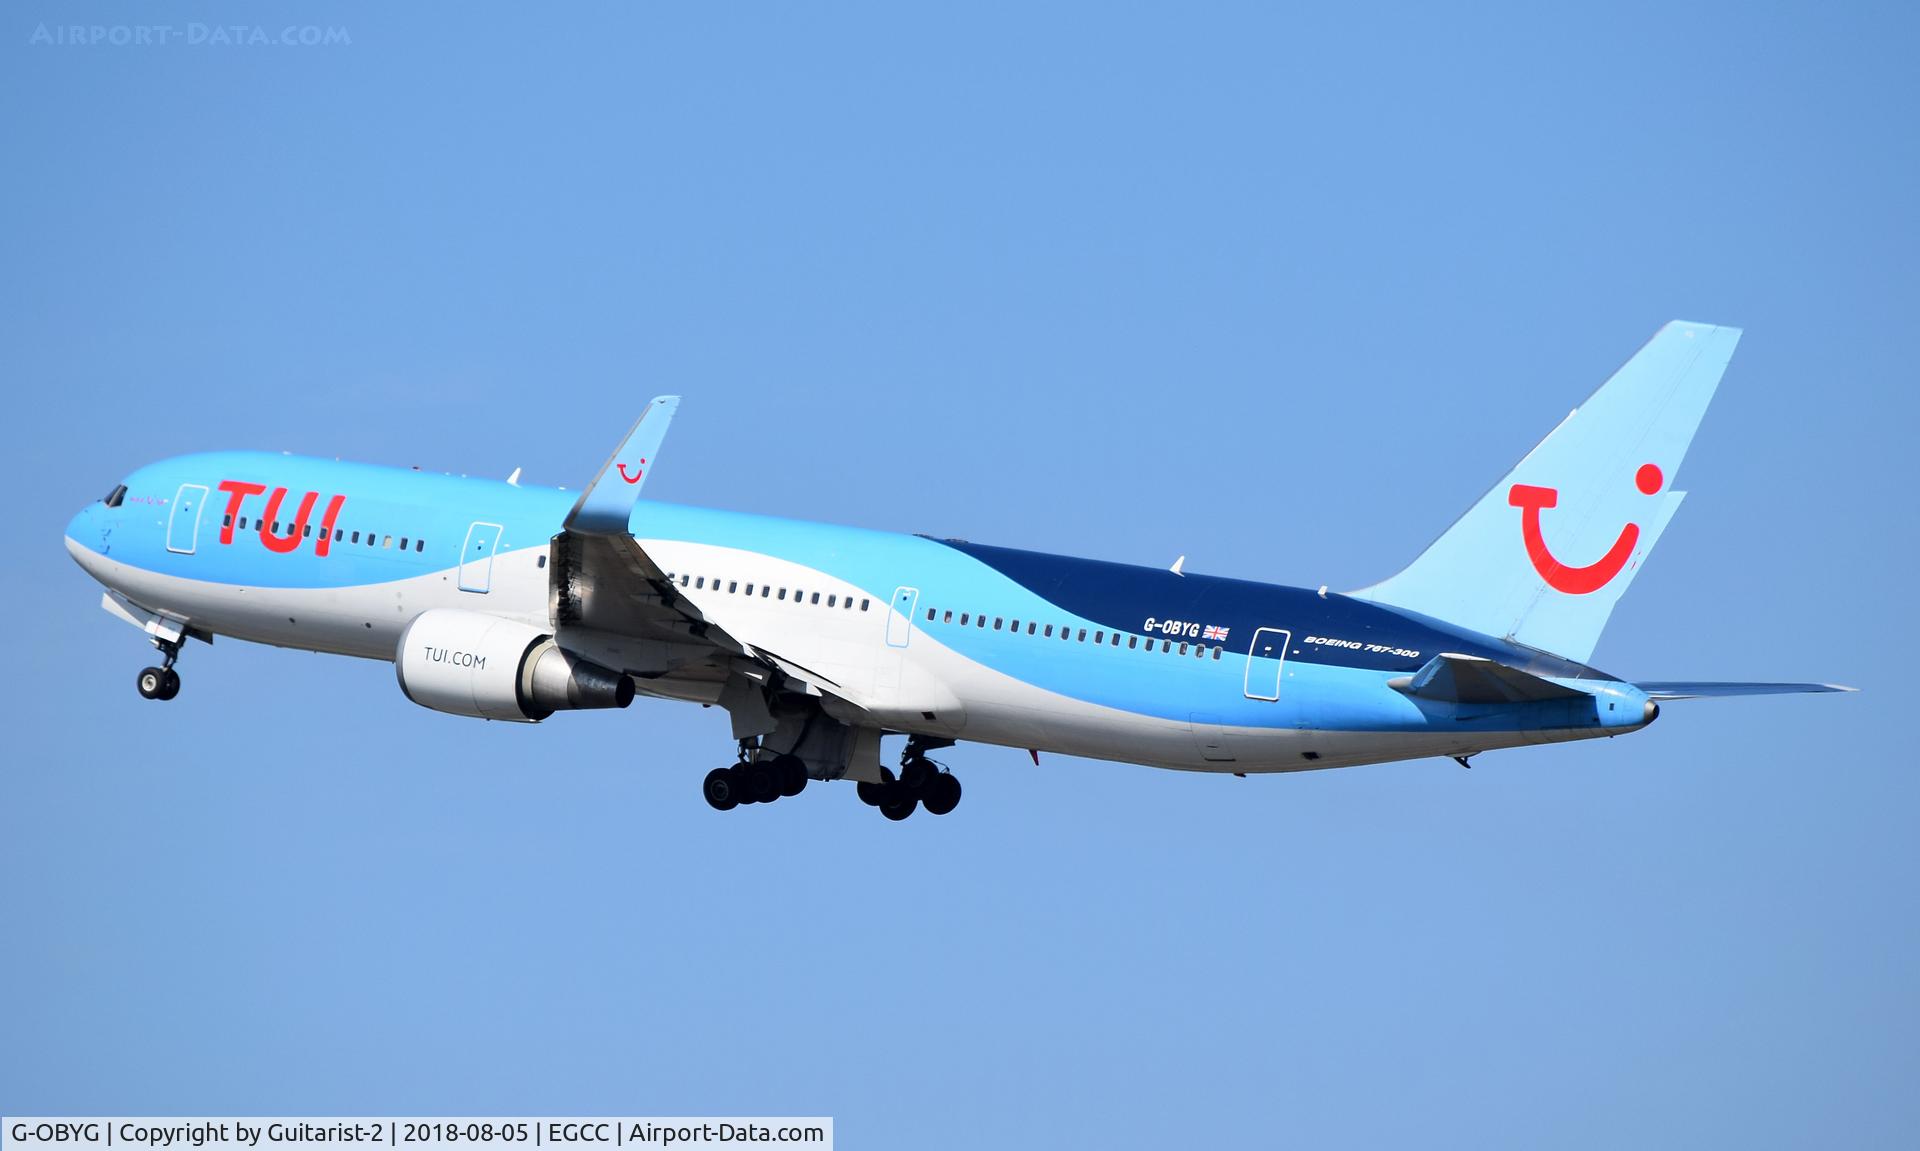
(1216, 653)
(783, 593)
(403, 543)
(930, 615)
(276, 527)
(815, 599)
(356, 537)
(831, 600)
(701, 582)
(1083, 635)
(1133, 641)
(243, 523)
(1049, 631)
(684, 579)
(1183, 649)
(542, 563)
(980, 622)
(338, 533)
(963, 619)
(387, 544)
(863, 603)
(846, 604)
(947, 618)
(1099, 637)
(1032, 627)
(733, 587)
(226, 521)
(749, 589)
(1166, 645)
(765, 591)
(997, 621)
(1116, 639)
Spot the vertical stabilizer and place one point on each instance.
(1543, 557)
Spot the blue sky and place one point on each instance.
(1279, 289)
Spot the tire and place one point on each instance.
(916, 773)
(763, 783)
(942, 794)
(742, 784)
(871, 793)
(720, 790)
(169, 683)
(149, 682)
(791, 771)
(898, 804)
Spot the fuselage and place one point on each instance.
(939, 638)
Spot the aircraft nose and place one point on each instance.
(83, 524)
(87, 534)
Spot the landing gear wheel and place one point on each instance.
(761, 781)
(169, 683)
(941, 794)
(917, 772)
(872, 793)
(899, 803)
(721, 789)
(791, 772)
(151, 682)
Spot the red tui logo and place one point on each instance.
(1531, 500)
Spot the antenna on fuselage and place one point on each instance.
(514, 479)
(1175, 569)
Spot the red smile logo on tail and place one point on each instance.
(1576, 580)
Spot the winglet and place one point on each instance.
(607, 502)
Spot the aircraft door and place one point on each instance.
(1266, 662)
(183, 524)
(476, 557)
(900, 619)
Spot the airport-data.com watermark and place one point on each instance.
(192, 35)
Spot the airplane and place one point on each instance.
(506, 601)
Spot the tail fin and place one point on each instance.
(1544, 556)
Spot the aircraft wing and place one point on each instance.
(1453, 678)
(611, 601)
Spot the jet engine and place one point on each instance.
(470, 663)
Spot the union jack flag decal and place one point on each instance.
(1213, 632)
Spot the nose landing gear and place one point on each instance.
(160, 682)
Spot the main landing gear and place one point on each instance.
(754, 779)
(921, 783)
(762, 777)
(160, 682)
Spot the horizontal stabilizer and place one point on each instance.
(1711, 689)
(1453, 678)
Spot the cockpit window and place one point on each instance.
(114, 497)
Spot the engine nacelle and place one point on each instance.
(470, 663)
